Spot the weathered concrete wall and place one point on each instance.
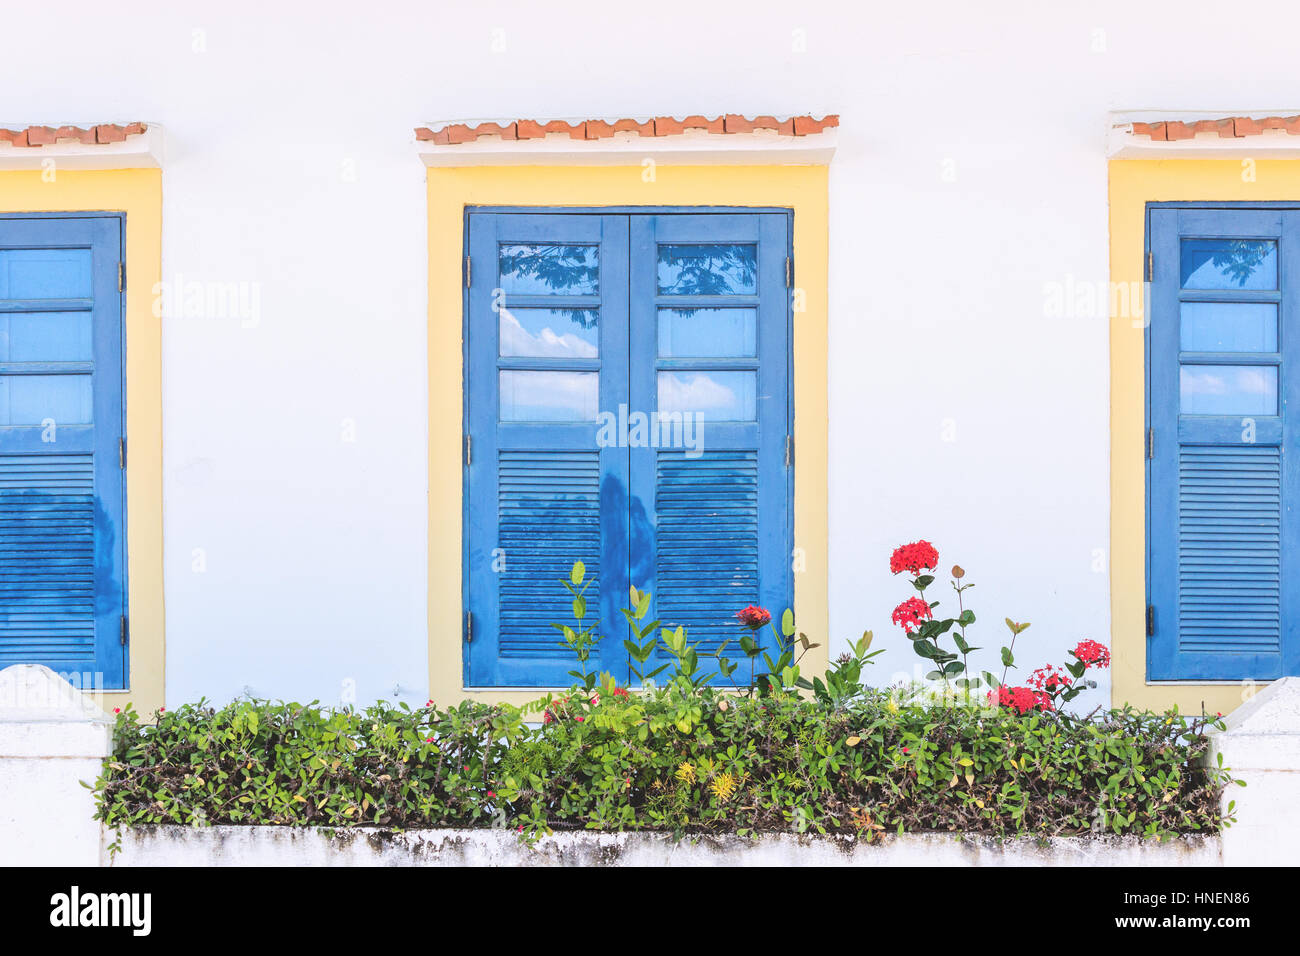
(52, 738)
(1261, 746)
(293, 846)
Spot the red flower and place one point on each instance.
(1022, 699)
(913, 557)
(1050, 679)
(117, 710)
(906, 751)
(911, 613)
(491, 793)
(620, 691)
(754, 617)
(580, 719)
(1092, 654)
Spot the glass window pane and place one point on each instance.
(710, 396)
(1229, 327)
(543, 396)
(45, 337)
(708, 333)
(708, 269)
(550, 269)
(45, 274)
(1229, 264)
(1228, 389)
(550, 333)
(31, 399)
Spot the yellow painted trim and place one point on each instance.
(138, 193)
(1134, 183)
(801, 188)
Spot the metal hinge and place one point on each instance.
(1151, 443)
(469, 451)
(1151, 620)
(121, 277)
(789, 271)
(789, 450)
(469, 272)
(121, 453)
(122, 631)
(469, 627)
(1151, 266)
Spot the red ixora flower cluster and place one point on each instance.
(754, 617)
(914, 557)
(1021, 699)
(1092, 654)
(1048, 678)
(911, 613)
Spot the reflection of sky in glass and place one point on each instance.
(543, 396)
(45, 337)
(708, 269)
(707, 333)
(549, 269)
(1229, 327)
(712, 396)
(549, 333)
(1228, 389)
(1229, 264)
(30, 399)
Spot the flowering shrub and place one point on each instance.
(683, 756)
(1048, 687)
(667, 759)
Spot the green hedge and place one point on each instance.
(699, 761)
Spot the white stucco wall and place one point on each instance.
(289, 165)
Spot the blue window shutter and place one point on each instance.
(1222, 487)
(62, 531)
(711, 525)
(704, 525)
(542, 490)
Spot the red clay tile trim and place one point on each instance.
(594, 129)
(1228, 127)
(35, 136)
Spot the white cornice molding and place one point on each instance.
(138, 151)
(691, 148)
(1123, 143)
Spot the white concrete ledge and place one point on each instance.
(1261, 746)
(165, 845)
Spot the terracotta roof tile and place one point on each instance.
(35, 136)
(1227, 127)
(592, 129)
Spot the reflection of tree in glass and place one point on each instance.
(1240, 258)
(564, 270)
(567, 270)
(710, 269)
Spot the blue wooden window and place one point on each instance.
(629, 406)
(1223, 348)
(62, 536)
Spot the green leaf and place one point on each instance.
(787, 623)
(578, 572)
